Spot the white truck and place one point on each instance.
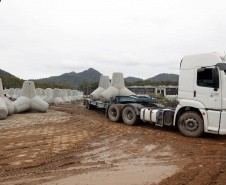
(202, 100)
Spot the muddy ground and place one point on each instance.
(74, 146)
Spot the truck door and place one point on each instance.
(207, 88)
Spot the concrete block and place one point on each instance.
(104, 83)
(117, 88)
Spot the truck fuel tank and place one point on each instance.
(158, 116)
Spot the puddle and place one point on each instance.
(128, 175)
(123, 166)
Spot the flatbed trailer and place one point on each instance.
(132, 109)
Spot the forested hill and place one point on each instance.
(4, 73)
(164, 77)
(74, 79)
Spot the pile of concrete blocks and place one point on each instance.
(10, 93)
(64, 96)
(6, 107)
(75, 95)
(17, 92)
(38, 92)
(28, 99)
(44, 97)
(49, 95)
(57, 96)
(116, 88)
(69, 93)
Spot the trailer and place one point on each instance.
(201, 96)
(128, 109)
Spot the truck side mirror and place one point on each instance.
(215, 76)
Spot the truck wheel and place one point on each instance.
(115, 112)
(191, 124)
(129, 116)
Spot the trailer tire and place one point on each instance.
(115, 112)
(191, 124)
(129, 116)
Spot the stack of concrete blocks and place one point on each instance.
(64, 96)
(104, 83)
(49, 95)
(69, 95)
(38, 92)
(117, 88)
(57, 96)
(10, 93)
(6, 107)
(80, 95)
(75, 96)
(28, 99)
(44, 97)
(17, 92)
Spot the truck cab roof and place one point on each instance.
(201, 60)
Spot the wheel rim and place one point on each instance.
(129, 115)
(191, 124)
(114, 112)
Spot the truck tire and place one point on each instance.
(129, 116)
(115, 112)
(191, 124)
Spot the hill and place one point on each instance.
(164, 77)
(133, 79)
(91, 75)
(73, 79)
(4, 73)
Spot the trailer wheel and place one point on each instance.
(115, 112)
(191, 124)
(129, 116)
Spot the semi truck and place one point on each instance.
(201, 96)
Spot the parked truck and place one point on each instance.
(201, 95)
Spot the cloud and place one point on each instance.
(139, 38)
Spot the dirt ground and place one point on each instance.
(74, 146)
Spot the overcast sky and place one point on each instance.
(141, 38)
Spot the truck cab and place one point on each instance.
(202, 95)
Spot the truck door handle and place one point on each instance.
(194, 93)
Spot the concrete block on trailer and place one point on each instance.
(104, 83)
(117, 88)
